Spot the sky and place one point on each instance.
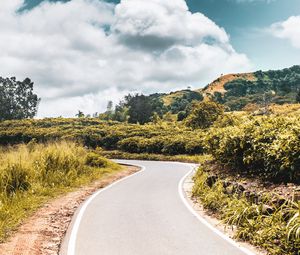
(83, 53)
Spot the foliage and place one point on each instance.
(204, 114)
(266, 146)
(17, 100)
(276, 231)
(151, 138)
(269, 146)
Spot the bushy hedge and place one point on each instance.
(269, 146)
(170, 145)
(165, 138)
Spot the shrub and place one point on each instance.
(95, 160)
(269, 146)
(14, 177)
(204, 114)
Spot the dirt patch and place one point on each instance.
(218, 85)
(42, 233)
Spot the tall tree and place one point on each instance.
(139, 108)
(17, 100)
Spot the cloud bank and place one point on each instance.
(288, 29)
(82, 53)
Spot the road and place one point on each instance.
(143, 215)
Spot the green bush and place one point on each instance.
(269, 146)
(95, 160)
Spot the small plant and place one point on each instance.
(15, 177)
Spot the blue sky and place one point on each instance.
(83, 53)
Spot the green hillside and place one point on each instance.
(236, 91)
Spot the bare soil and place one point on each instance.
(43, 232)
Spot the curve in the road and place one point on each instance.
(143, 215)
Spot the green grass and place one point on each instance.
(277, 232)
(31, 175)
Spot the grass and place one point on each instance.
(155, 157)
(278, 232)
(31, 175)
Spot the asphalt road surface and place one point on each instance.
(143, 215)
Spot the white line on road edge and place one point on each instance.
(74, 231)
(202, 220)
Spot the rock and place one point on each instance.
(211, 180)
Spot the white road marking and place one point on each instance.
(74, 231)
(75, 228)
(202, 220)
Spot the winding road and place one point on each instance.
(144, 214)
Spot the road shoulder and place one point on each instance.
(187, 187)
(43, 232)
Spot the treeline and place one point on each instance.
(139, 108)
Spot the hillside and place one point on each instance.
(236, 91)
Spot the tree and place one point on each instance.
(80, 114)
(140, 109)
(204, 114)
(17, 100)
(109, 108)
(298, 96)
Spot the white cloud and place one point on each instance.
(82, 53)
(288, 29)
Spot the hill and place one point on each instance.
(237, 91)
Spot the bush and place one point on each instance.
(269, 146)
(204, 114)
(14, 177)
(95, 160)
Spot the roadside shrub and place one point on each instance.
(95, 160)
(268, 146)
(204, 114)
(14, 177)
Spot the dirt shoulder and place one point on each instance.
(43, 232)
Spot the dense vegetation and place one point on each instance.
(17, 100)
(268, 146)
(163, 138)
(264, 145)
(276, 87)
(31, 174)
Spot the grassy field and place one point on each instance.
(32, 174)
